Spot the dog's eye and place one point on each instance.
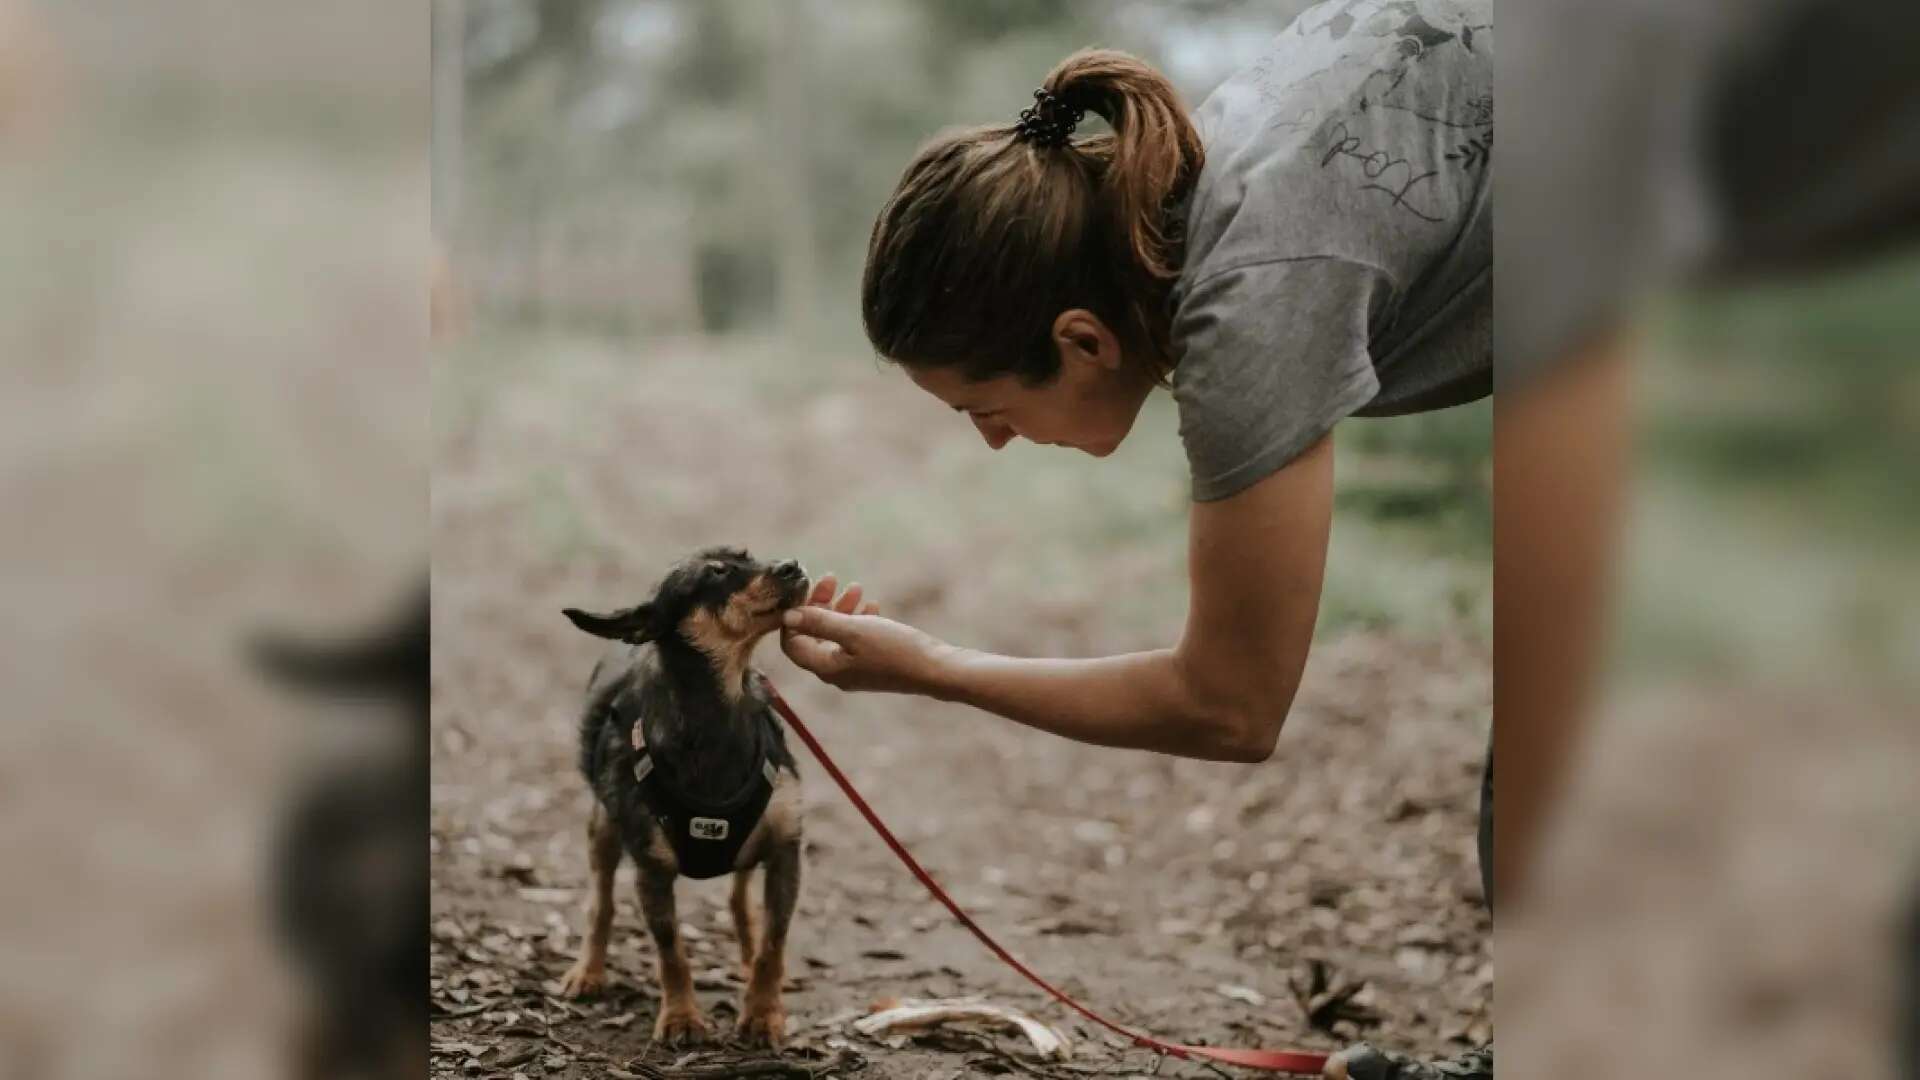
(716, 571)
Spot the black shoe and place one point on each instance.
(1365, 1062)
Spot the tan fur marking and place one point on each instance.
(589, 972)
(725, 648)
(728, 638)
(780, 823)
(660, 854)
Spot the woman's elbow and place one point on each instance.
(1233, 719)
(1247, 737)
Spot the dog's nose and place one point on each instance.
(789, 570)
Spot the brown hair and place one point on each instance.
(990, 235)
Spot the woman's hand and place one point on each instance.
(848, 645)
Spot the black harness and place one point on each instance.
(706, 837)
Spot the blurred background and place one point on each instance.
(213, 327)
(646, 222)
(656, 213)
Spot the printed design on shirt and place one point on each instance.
(1413, 27)
(1474, 153)
(1380, 90)
(1395, 37)
(1292, 112)
(1396, 177)
(1386, 39)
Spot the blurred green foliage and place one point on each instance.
(642, 164)
(1805, 387)
(1776, 509)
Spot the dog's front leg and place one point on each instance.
(680, 1019)
(763, 1018)
(743, 929)
(589, 973)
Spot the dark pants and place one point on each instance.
(1486, 826)
(1911, 1022)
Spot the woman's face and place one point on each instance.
(1089, 406)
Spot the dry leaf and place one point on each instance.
(1244, 994)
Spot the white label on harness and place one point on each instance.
(642, 767)
(708, 828)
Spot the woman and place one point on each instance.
(1314, 243)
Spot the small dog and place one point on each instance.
(691, 776)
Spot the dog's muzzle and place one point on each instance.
(793, 580)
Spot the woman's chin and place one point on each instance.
(1099, 450)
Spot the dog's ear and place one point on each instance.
(632, 625)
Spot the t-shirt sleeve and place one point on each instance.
(1272, 355)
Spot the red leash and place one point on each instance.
(1285, 1061)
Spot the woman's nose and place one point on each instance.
(996, 434)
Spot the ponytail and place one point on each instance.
(1154, 155)
(993, 231)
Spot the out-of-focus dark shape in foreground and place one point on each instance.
(1647, 144)
(350, 883)
(213, 332)
(389, 664)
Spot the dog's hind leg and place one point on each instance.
(589, 973)
(763, 1017)
(680, 1019)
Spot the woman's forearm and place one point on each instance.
(1138, 701)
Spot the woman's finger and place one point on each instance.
(824, 589)
(813, 654)
(869, 608)
(849, 601)
(822, 622)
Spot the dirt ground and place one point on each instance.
(1182, 897)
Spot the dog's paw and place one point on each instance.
(762, 1025)
(681, 1026)
(583, 980)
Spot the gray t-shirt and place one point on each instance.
(1340, 239)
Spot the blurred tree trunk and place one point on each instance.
(789, 146)
(449, 108)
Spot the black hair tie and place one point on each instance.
(1050, 122)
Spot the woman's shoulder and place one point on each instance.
(1362, 131)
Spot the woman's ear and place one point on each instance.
(632, 625)
(1079, 334)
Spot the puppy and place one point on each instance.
(692, 777)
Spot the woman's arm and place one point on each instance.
(1255, 560)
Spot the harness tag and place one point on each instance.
(766, 767)
(643, 767)
(707, 828)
